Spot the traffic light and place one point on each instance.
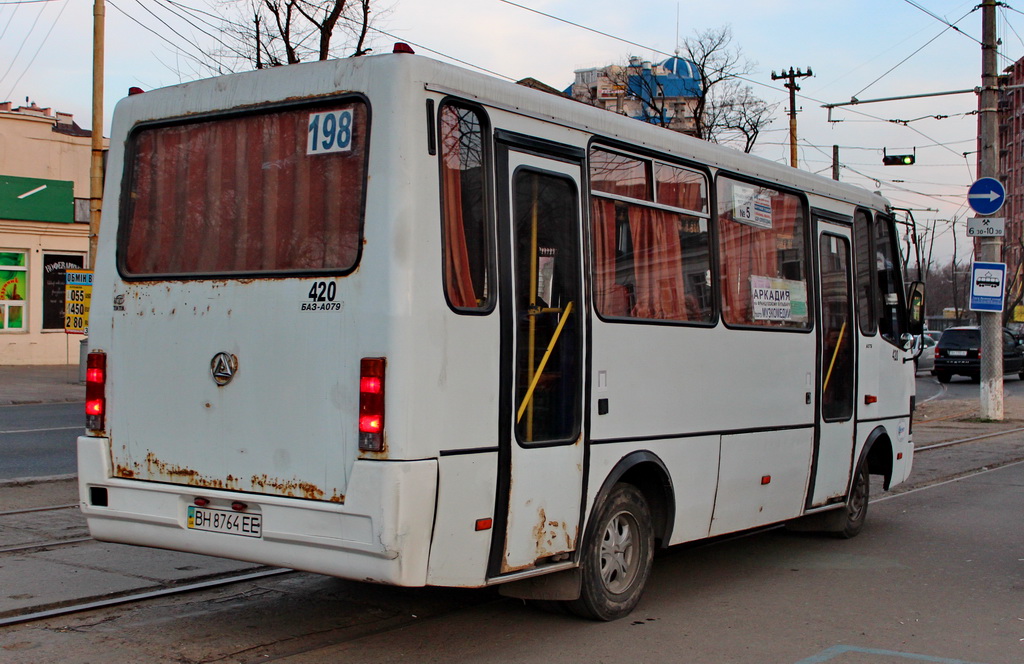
(898, 159)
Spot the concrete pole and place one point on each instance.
(96, 168)
(990, 249)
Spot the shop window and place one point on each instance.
(55, 267)
(13, 290)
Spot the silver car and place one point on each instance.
(925, 359)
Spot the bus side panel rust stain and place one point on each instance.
(550, 537)
(154, 469)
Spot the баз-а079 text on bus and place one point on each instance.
(390, 320)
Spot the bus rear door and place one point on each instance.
(543, 334)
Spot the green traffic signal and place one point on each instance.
(898, 159)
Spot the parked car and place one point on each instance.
(925, 359)
(958, 353)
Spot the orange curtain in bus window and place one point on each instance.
(761, 236)
(466, 250)
(458, 280)
(658, 260)
(243, 195)
(610, 297)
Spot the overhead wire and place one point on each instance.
(21, 46)
(9, 20)
(188, 41)
(36, 54)
(185, 16)
(198, 61)
(901, 62)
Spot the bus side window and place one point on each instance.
(763, 256)
(865, 268)
(652, 252)
(888, 301)
(465, 209)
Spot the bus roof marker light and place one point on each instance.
(402, 47)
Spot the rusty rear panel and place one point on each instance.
(283, 424)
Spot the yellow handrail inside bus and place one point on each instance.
(543, 362)
(835, 353)
(532, 342)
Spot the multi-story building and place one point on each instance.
(1011, 172)
(664, 93)
(44, 230)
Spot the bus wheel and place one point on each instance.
(617, 559)
(856, 504)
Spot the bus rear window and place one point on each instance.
(272, 192)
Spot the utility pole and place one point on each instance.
(96, 167)
(792, 86)
(990, 248)
(835, 163)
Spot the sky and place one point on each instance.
(868, 49)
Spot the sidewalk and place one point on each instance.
(40, 384)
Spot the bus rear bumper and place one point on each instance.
(381, 533)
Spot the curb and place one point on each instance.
(30, 481)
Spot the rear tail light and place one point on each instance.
(96, 391)
(371, 404)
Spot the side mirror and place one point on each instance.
(915, 308)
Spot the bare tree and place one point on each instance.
(271, 33)
(709, 101)
(739, 115)
(726, 110)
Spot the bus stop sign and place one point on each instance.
(986, 196)
(987, 286)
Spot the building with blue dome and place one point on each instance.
(663, 93)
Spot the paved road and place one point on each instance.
(929, 388)
(935, 577)
(38, 440)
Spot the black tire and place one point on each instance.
(617, 557)
(944, 377)
(856, 504)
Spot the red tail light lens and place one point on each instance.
(96, 391)
(371, 404)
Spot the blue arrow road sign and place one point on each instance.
(986, 196)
